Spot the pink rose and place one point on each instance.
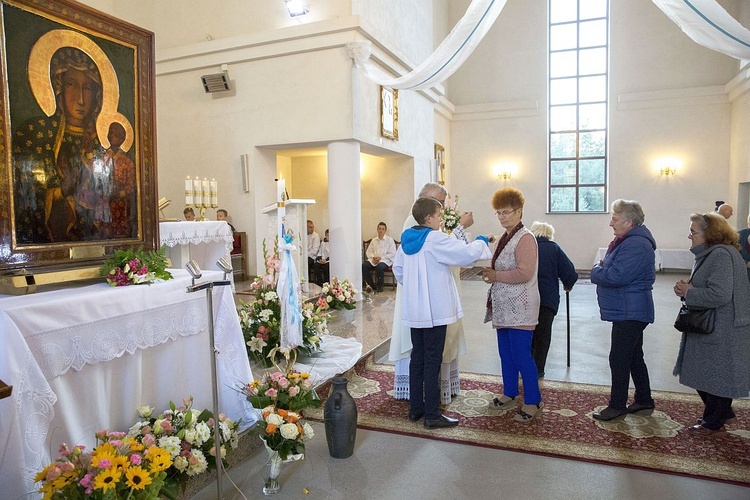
(167, 426)
(293, 390)
(146, 429)
(53, 473)
(283, 383)
(135, 459)
(148, 440)
(271, 393)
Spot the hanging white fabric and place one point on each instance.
(708, 24)
(288, 289)
(447, 58)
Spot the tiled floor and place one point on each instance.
(386, 466)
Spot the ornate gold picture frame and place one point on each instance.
(77, 138)
(440, 163)
(389, 113)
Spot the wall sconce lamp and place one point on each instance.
(295, 8)
(668, 166)
(505, 170)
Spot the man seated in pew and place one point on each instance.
(379, 257)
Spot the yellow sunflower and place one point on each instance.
(160, 459)
(133, 444)
(120, 462)
(107, 479)
(137, 478)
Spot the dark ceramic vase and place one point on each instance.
(340, 416)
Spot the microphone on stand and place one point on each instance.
(194, 270)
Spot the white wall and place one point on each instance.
(667, 97)
(295, 87)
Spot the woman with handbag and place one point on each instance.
(716, 364)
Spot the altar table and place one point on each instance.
(204, 242)
(84, 359)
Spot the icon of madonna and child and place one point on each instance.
(73, 179)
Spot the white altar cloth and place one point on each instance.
(337, 356)
(83, 359)
(204, 242)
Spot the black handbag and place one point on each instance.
(693, 319)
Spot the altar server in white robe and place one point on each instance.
(430, 302)
(455, 344)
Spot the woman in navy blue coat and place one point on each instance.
(624, 282)
(554, 266)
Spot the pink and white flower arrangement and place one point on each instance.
(135, 267)
(187, 435)
(261, 319)
(339, 294)
(450, 214)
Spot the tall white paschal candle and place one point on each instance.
(188, 191)
(197, 192)
(214, 193)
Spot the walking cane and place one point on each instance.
(567, 318)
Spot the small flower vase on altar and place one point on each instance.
(348, 315)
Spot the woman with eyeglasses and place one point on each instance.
(513, 305)
(624, 282)
(717, 365)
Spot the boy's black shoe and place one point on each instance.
(413, 417)
(438, 423)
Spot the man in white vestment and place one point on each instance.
(379, 256)
(455, 343)
(313, 247)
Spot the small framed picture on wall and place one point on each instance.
(389, 113)
(440, 163)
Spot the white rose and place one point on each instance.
(145, 411)
(289, 431)
(270, 296)
(274, 419)
(347, 295)
(180, 463)
(308, 430)
(325, 289)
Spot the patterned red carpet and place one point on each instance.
(660, 442)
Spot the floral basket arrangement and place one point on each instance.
(187, 435)
(261, 319)
(450, 214)
(136, 267)
(118, 467)
(339, 294)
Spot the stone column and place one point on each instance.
(345, 211)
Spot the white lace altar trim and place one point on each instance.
(195, 233)
(57, 351)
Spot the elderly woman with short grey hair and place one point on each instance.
(717, 365)
(624, 282)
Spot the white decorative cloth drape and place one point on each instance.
(708, 24)
(446, 59)
(288, 289)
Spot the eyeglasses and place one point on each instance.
(693, 233)
(505, 213)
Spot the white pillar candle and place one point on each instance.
(206, 187)
(214, 193)
(197, 192)
(188, 191)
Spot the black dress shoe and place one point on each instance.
(609, 414)
(438, 423)
(413, 417)
(640, 409)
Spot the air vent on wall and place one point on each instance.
(217, 82)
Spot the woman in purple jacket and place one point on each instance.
(624, 280)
